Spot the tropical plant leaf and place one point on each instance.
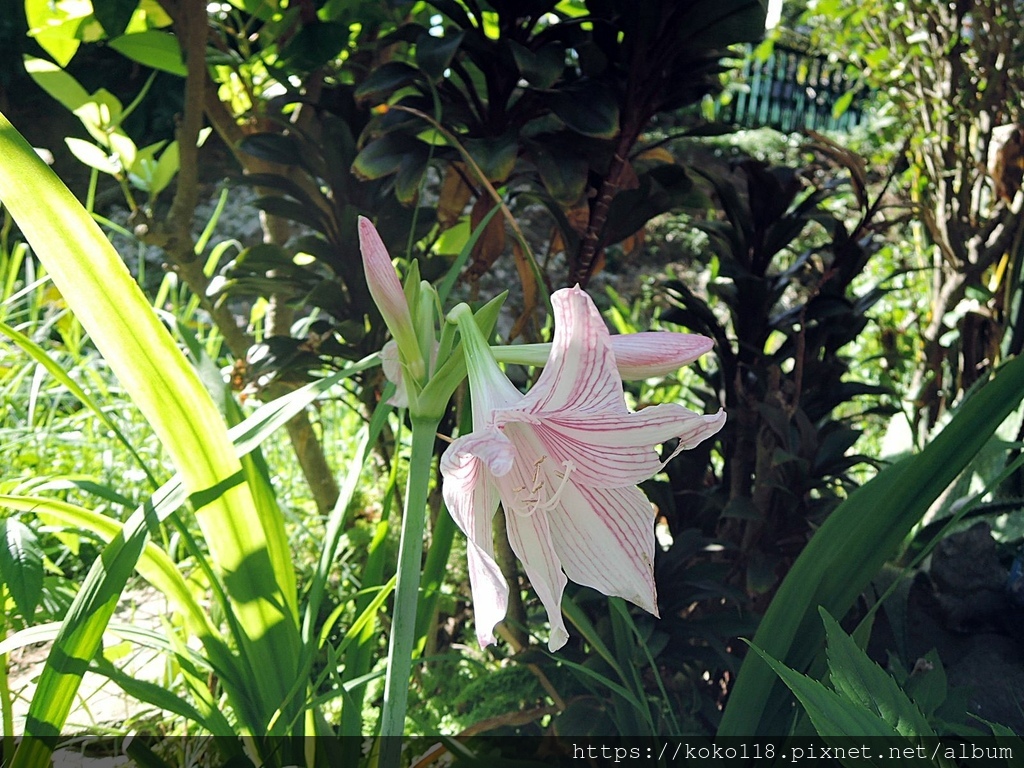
(114, 15)
(858, 679)
(121, 323)
(152, 48)
(21, 565)
(853, 543)
(830, 713)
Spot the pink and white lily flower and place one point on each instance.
(564, 461)
(637, 355)
(388, 295)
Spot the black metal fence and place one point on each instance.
(792, 90)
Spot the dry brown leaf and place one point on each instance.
(455, 194)
(578, 217)
(529, 281)
(491, 242)
(657, 155)
(632, 244)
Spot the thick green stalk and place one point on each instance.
(410, 557)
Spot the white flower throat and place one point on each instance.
(538, 494)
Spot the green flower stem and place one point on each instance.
(410, 556)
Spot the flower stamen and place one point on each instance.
(526, 507)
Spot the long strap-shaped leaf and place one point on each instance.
(86, 621)
(846, 552)
(144, 357)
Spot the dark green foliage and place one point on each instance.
(783, 273)
(554, 110)
(317, 192)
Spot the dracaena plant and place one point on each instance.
(550, 99)
(786, 286)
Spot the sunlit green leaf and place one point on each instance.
(857, 678)
(142, 354)
(853, 543)
(56, 82)
(152, 48)
(93, 156)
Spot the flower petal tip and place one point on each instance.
(485, 639)
(559, 637)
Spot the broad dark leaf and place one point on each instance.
(434, 54)
(386, 79)
(564, 173)
(383, 156)
(21, 565)
(114, 15)
(588, 107)
(291, 210)
(496, 155)
(314, 45)
(718, 23)
(273, 147)
(541, 68)
(410, 174)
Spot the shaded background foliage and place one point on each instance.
(588, 121)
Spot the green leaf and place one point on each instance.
(114, 15)
(93, 156)
(496, 155)
(383, 156)
(842, 104)
(385, 79)
(540, 68)
(588, 108)
(852, 545)
(83, 626)
(718, 23)
(101, 115)
(274, 147)
(154, 564)
(291, 210)
(564, 173)
(857, 678)
(21, 565)
(928, 687)
(152, 48)
(410, 176)
(111, 307)
(56, 26)
(56, 82)
(830, 713)
(435, 54)
(315, 45)
(142, 168)
(166, 168)
(37, 353)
